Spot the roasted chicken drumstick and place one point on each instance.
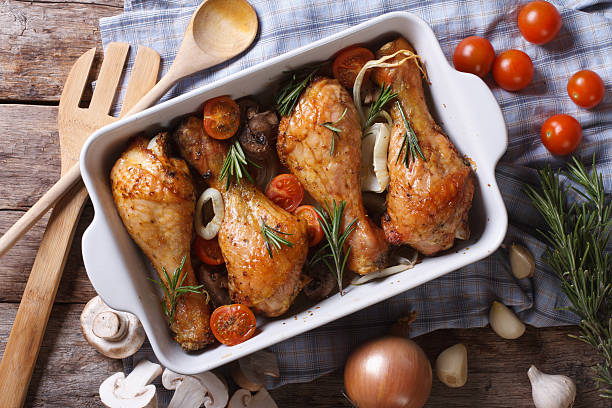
(305, 147)
(155, 198)
(428, 200)
(267, 284)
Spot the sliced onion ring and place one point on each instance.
(380, 63)
(212, 228)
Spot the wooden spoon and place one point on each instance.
(218, 30)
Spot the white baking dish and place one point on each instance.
(463, 105)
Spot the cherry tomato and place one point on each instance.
(539, 22)
(308, 214)
(221, 117)
(513, 70)
(286, 191)
(232, 324)
(349, 62)
(586, 88)
(561, 134)
(474, 55)
(208, 250)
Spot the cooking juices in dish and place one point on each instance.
(264, 238)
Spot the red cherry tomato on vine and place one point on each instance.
(539, 22)
(208, 250)
(474, 55)
(586, 88)
(561, 134)
(513, 70)
(221, 117)
(349, 62)
(232, 324)
(286, 191)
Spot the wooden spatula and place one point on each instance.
(75, 126)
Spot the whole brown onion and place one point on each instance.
(388, 372)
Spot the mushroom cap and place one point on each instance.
(133, 391)
(240, 399)
(193, 390)
(114, 334)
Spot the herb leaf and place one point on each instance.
(335, 130)
(273, 239)
(385, 96)
(410, 145)
(290, 92)
(578, 237)
(175, 289)
(331, 223)
(234, 166)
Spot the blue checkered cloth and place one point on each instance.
(462, 298)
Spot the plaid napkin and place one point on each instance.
(461, 298)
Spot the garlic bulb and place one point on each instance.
(551, 391)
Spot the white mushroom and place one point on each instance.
(240, 399)
(114, 334)
(250, 372)
(133, 391)
(210, 230)
(191, 391)
(243, 399)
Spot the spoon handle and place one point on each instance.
(156, 92)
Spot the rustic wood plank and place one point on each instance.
(17, 263)
(497, 371)
(68, 371)
(40, 41)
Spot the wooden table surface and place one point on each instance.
(39, 41)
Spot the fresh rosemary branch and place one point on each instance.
(331, 223)
(235, 164)
(410, 145)
(578, 237)
(273, 239)
(290, 92)
(385, 96)
(335, 130)
(175, 289)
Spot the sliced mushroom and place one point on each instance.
(191, 391)
(243, 399)
(114, 334)
(240, 399)
(259, 134)
(216, 284)
(133, 391)
(250, 372)
(320, 286)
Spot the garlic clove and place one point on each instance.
(551, 391)
(451, 366)
(504, 322)
(521, 261)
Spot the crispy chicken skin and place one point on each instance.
(155, 198)
(428, 202)
(304, 146)
(268, 285)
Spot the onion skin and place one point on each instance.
(390, 372)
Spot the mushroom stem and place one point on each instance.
(110, 326)
(144, 373)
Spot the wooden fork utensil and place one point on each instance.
(75, 125)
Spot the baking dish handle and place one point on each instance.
(112, 276)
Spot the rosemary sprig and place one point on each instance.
(331, 223)
(410, 145)
(235, 164)
(290, 92)
(578, 237)
(175, 289)
(384, 97)
(273, 239)
(335, 130)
